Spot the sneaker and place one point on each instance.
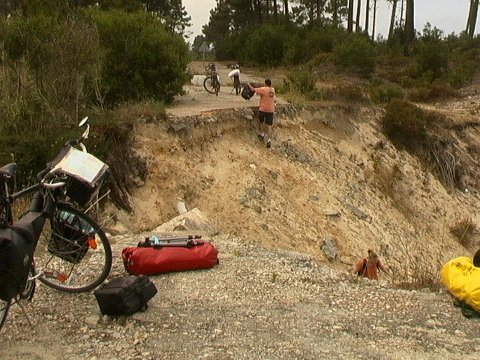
(269, 144)
(261, 137)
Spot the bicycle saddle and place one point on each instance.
(8, 170)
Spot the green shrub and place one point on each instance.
(31, 153)
(405, 124)
(304, 44)
(265, 45)
(412, 128)
(112, 142)
(418, 94)
(432, 59)
(463, 69)
(301, 81)
(433, 92)
(384, 92)
(356, 53)
(143, 60)
(349, 93)
(54, 59)
(231, 46)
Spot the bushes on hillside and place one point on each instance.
(301, 81)
(384, 92)
(405, 124)
(356, 53)
(143, 60)
(52, 60)
(432, 54)
(411, 128)
(304, 44)
(265, 45)
(62, 62)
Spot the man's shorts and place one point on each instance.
(265, 117)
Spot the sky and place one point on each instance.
(447, 15)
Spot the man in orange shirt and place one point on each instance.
(266, 110)
(369, 267)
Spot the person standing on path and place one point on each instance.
(266, 110)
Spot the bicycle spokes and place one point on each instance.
(75, 254)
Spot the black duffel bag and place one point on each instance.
(247, 93)
(125, 295)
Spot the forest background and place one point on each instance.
(120, 60)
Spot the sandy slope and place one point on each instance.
(330, 176)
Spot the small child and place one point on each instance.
(368, 267)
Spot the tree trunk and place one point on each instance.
(472, 18)
(469, 17)
(258, 6)
(374, 21)
(275, 12)
(311, 12)
(392, 20)
(402, 13)
(335, 13)
(367, 15)
(409, 28)
(319, 9)
(350, 16)
(357, 23)
(287, 11)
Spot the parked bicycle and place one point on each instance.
(53, 241)
(212, 81)
(235, 75)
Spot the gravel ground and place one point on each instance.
(256, 304)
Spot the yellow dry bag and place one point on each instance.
(462, 279)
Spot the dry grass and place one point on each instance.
(418, 275)
(416, 270)
(464, 231)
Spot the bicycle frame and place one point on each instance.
(26, 231)
(73, 245)
(212, 81)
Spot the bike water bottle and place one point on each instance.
(154, 240)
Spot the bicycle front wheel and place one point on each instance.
(4, 306)
(73, 254)
(209, 85)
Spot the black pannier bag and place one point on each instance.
(247, 93)
(125, 295)
(70, 237)
(16, 256)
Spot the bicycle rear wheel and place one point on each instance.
(73, 253)
(209, 85)
(4, 306)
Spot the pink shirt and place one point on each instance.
(267, 98)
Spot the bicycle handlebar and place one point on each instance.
(210, 67)
(54, 185)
